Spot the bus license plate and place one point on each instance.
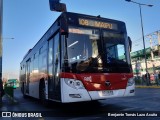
(107, 92)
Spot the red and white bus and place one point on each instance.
(79, 58)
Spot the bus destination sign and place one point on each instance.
(98, 24)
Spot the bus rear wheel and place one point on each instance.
(23, 90)
(42, 94)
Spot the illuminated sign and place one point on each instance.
(99, 24)
(74, 30)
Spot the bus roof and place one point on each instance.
(89, 16)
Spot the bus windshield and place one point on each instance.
(115, 53)
(88, 52)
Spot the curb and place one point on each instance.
(157, 87)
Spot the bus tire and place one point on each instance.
(23, 91)
(42, 93)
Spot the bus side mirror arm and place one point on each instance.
(130, 43)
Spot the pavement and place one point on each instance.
(151, 86)
(8, 100)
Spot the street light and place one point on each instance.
(1, 18)
(144, 51)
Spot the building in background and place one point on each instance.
(152, 55)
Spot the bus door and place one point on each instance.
(54, 69)
(27, 74)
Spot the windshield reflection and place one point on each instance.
(87, 53)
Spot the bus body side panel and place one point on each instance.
(34, 89)
(31, 87)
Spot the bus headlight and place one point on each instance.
(131, 81)
(76, 84)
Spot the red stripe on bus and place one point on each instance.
(97, 81)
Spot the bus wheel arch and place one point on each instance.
(23, 90)
(42, 92)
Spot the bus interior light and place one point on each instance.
(73, 44)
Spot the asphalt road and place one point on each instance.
(145, 100)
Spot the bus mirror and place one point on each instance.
(130, 43)
(55, 5)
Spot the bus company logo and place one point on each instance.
(108, 83)
(124, 77)
(88, 79)
(19, 114)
